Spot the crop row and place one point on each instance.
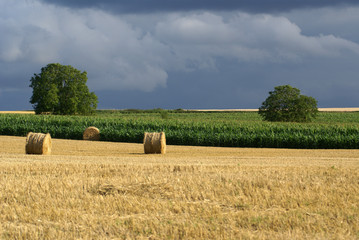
(182, 131)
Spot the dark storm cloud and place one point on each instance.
(132, 6)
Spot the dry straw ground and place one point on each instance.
(98, 190)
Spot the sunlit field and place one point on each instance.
(106, 190)
(331, 130)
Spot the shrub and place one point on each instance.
(285, 104)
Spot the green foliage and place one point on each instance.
(62, 90)
(330, 130)
(285, 104)
(164, 115)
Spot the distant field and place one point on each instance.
(256, 109)
(223, 110)
(104, 190)
(18, 112)
(338, 109)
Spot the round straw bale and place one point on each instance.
(155, 142)
(38, 143)
(92, 134)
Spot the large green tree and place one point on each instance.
(60, 89)
(286, 104)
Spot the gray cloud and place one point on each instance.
(198, 39)
(115, 54)
(335, 21)
(132, 6)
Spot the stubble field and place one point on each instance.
(104, 190)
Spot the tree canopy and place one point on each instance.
(60, 89)
(286, 104)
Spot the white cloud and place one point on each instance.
(114, 53)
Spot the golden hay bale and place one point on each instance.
(155, 142)
(92, 134)
(38, 143)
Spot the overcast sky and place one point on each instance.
(184, 53)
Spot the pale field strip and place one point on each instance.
(18, 112)
(352, 109)
(108, 190)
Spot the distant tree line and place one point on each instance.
(60, 89)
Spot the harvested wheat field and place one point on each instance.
(103, 190)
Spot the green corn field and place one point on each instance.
(222, 129)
